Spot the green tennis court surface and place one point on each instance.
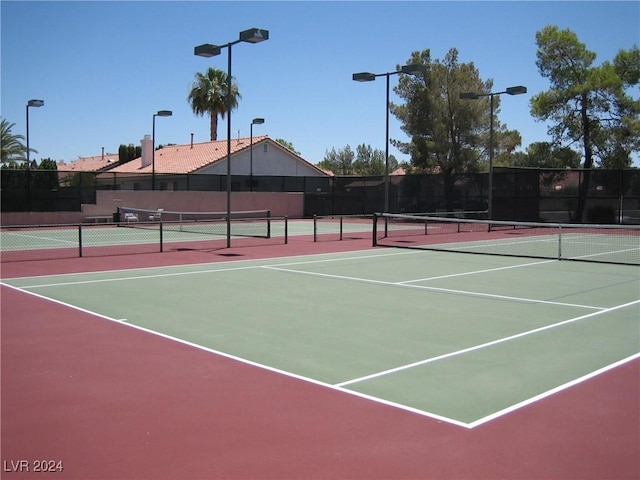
(458, 337)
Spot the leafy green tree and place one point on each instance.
(586, 104)
(620, 135)
(208, 96)
(439, 124)
(45, 177)
(448, 135)
(546, 155)
(14, 152)
(339, 162)
(126, 153)
(365, 161)
(371, 161)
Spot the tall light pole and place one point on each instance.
(412, 69)
(254, 35)
(31, 103)
(518, 90)
(255, 121)
(161, 113)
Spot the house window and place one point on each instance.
(265, 148)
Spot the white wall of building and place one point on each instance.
(268, 159)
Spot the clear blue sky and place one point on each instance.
(104, 68)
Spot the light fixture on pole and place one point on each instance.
(161, 113)
(411, 69)
(31, 103)
(253, 35)
(517, 90)
(255, 121)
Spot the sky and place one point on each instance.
(104, 68)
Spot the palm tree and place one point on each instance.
(208, 95)
(13, 150)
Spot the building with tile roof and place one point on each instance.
(268, 158)
(263, 157)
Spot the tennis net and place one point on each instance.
(592, 243)
(247, 223)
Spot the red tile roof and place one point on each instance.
(89, 164)
(187, 158)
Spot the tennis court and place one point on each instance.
(458, 338)
(452, 338)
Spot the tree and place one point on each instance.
(340, 162)
(208, 95)
(448, 135)
(45, 177)
(14, 152)
(126, 153)
(371, 161)
(615, 143)
(587, 105)
(366, 161)
(546, 155)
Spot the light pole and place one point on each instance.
(31, 103)
(255, 121)
(412, 69)
(518, 90)
(161, 113)
(254, 35)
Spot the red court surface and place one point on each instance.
(113, 402)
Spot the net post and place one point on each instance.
(559, 242)
(341, 227)
(80, 240)
(374, 241)
(315, 227)
(286, 230)
(161, 237)
(268, 223)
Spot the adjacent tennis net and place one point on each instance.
(248, 223)
(593, 243)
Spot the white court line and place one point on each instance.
(137, 277)
(483, 345)
(476, 271)
(600, 254)
(434, 289)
